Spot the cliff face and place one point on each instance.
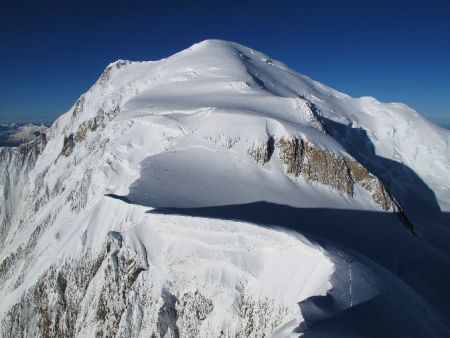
(316, 165)
(15, 166)
(339, 172)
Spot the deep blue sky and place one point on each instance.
(399, 50)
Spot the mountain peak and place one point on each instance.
(166, 185)
(212, 42)
(216, 78)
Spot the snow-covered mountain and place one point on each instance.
(14, 134)
(219, 193)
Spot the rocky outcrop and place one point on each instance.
(78, 196)
(313, 112)
(120, 269)
(260, 318)
(86, 127)
(104, 81)
(339, 172)
(192, 309)
(315, 164)
(369, 182)
(51, 306)
(262, 153)
(61, 303)
(68, 145)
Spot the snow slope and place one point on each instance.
(140, 210)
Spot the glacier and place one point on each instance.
(219, 193)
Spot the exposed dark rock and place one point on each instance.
(262, 153)
(360, 175)
(315, 164)
(78, 107)
(84, 128)
(167, 316)
(259, 318)
(54, 303)
(302, 158)
(68, 145)
(6, 265)
(193, 308)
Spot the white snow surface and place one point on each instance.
(223, 92)
(179, 139)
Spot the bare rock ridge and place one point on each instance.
(339, 172)
(60, 300)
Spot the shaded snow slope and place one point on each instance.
(161, 202)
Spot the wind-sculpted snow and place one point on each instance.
(218, 193)
(175, 275)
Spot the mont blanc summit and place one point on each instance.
(219, 193)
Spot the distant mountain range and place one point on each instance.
(15, 134)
